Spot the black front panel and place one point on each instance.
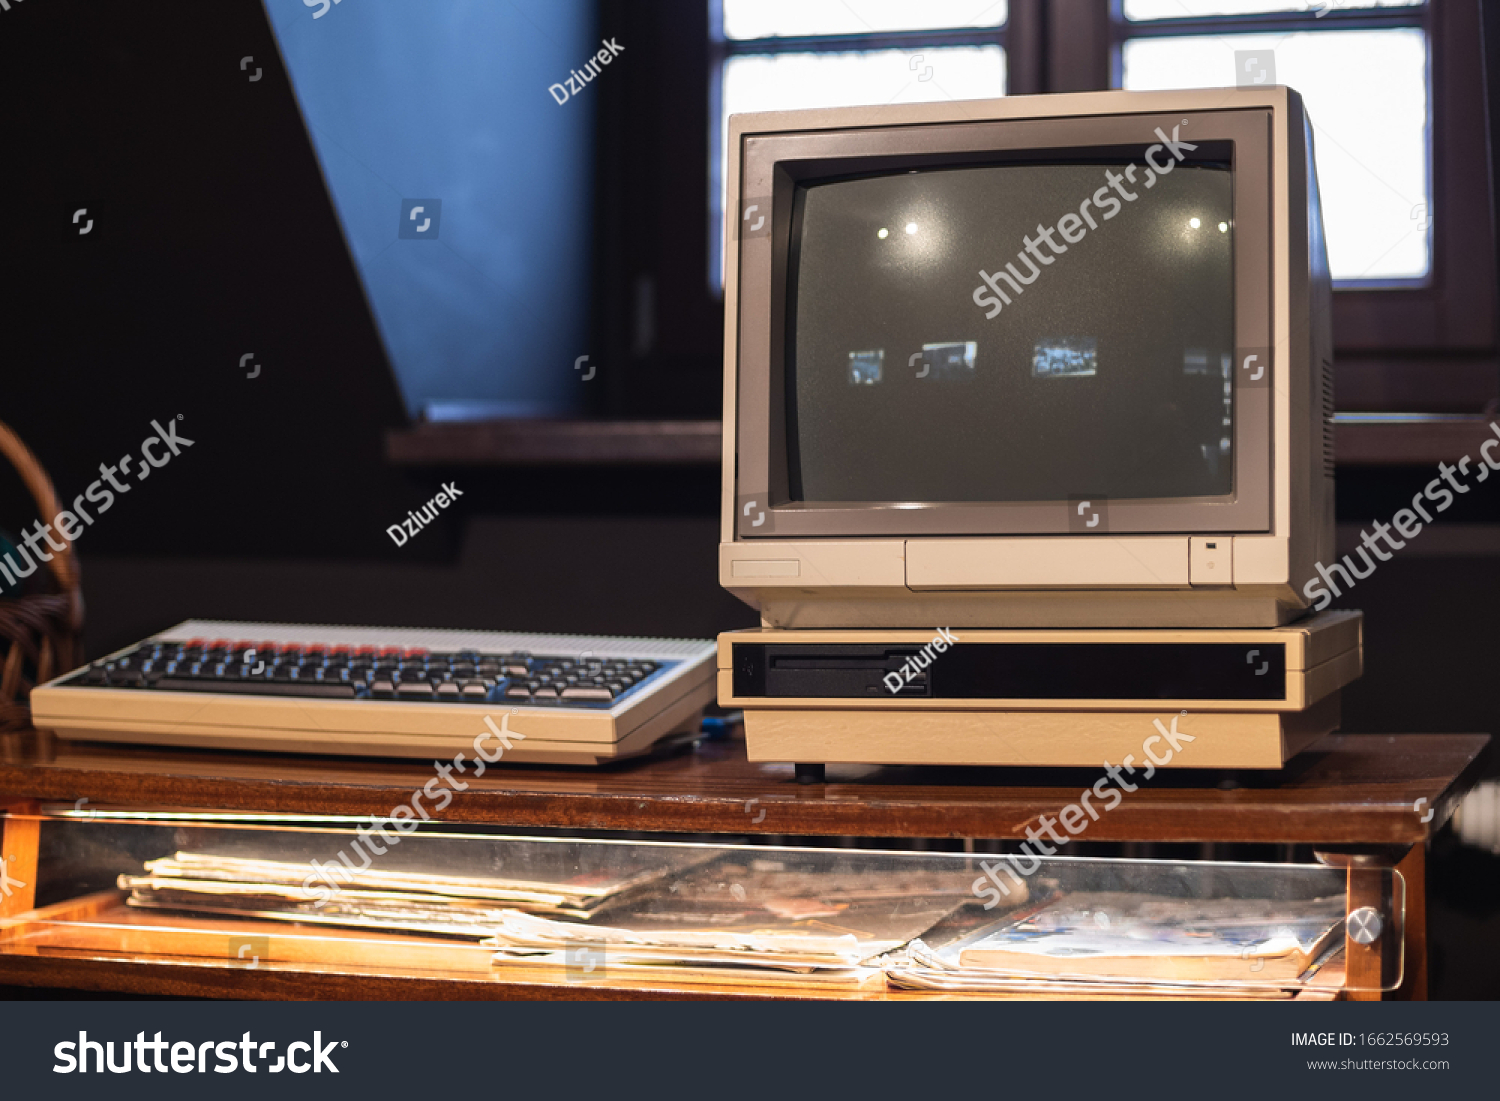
(1013, 671)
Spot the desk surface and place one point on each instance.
(1345, 789)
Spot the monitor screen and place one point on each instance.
(1022, 332)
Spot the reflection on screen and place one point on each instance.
(1139, 310)
(1065, 358)
(949, 362)
(866, 368)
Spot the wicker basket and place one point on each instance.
(40, 632)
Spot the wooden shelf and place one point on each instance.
(1361, 439)
(98, 943)
(1345, 789)
(557, 442)
(1397, 439)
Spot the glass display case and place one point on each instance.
(537, 915)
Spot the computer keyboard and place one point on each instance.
(383, 691)
(329, 671)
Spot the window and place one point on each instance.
(1365, 84)
(416, 113)
(778, 55)
(1396, 93)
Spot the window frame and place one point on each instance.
(1426, 347)
(1022, 25)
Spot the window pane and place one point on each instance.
(783, 18)
(792, 81)
(1366, 92)
(1186, 9)
(411, 106)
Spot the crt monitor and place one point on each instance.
(1052, 361)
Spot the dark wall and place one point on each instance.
(212, 237)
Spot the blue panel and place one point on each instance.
(482, 294)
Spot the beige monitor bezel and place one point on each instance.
(868, 581)
(775, 164)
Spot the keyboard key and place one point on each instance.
(415, 689)
(257, 687)
(588, 693)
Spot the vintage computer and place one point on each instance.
(1028, 431)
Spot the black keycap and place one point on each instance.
(256, 688)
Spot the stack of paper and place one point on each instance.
(1137, 942)
(805, 912)
(560, 880)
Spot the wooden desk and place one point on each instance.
(1348, 790)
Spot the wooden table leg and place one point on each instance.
(1413, 870)
(18, 851)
